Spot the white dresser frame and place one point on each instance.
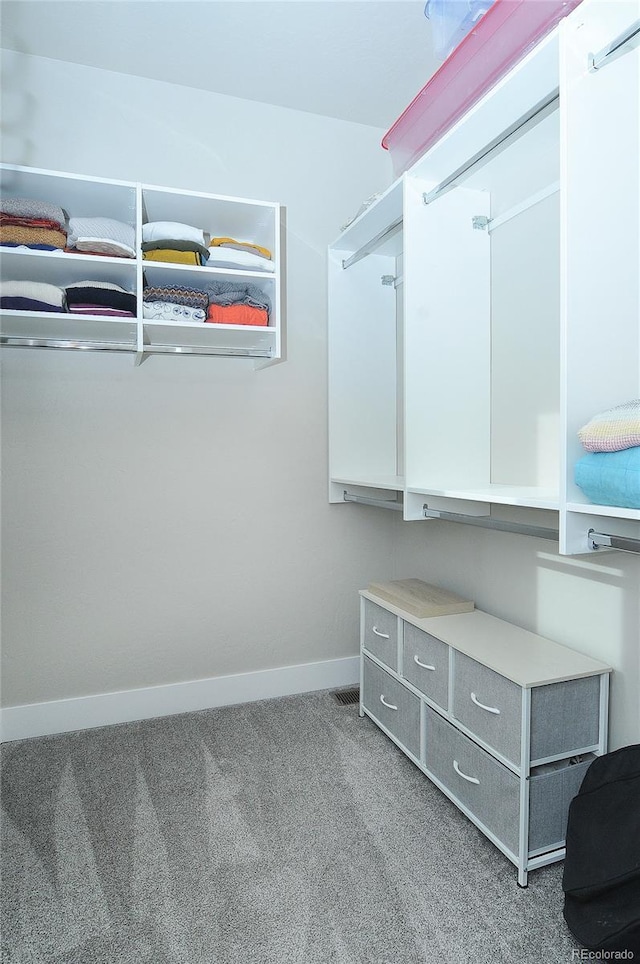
(522, 657)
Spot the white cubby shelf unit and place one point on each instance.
(472, 328)
(257, 222)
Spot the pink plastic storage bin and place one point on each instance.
(502, 37)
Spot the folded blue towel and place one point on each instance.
(611, 478)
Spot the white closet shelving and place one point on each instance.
(513, 311)
(257, 222)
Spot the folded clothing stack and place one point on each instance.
(32, 223)
(100, 298)
(175, 242)
(231, 303)
(609, 474)
(101, 236)
(31, 296)
(174, 303)
(229, 253)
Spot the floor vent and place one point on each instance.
(347, 697)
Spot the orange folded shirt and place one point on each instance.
(237, 315)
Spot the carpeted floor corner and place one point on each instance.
(287, 831)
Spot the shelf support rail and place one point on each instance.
(488, 522)
(19, 342)
(378, 503)
(601, 540)
(11, 341)
(499, 143)
(370, 246)
(617, 47)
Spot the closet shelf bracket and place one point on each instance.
(622, 43)
(373, 244)
(601, 540)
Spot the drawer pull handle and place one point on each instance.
(378, 633)
(463, 775)
(389, 706)
(489, 709)
(424, 665)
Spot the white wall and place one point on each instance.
(171, 522)
(590, 604)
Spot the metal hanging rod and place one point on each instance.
(616, 47)
(499, 143)
(15, 342)
(600, 540)
(370, 246)
(542, 195)
(378, 503)
(204, 350)
(488, 522)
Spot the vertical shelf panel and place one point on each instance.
(525, 313)
(447, 340)
(362, 370)
(600, 146)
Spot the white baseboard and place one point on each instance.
(126, 706)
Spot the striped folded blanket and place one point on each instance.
(178, 295)
(614, 430)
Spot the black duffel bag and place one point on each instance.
(601, 878)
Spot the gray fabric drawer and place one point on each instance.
(380, 633)
(501, 730)
(565, 716)
(403, 721)
(433, 679)
(494, 799)
(552, 787)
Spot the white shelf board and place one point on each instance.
(612, 511)
(60, 268)
(206, 272)
(391, 482)
(527, 496)
(196, 335)
(375, 219)
(63, 326)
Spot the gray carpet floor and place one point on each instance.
(288, 831)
